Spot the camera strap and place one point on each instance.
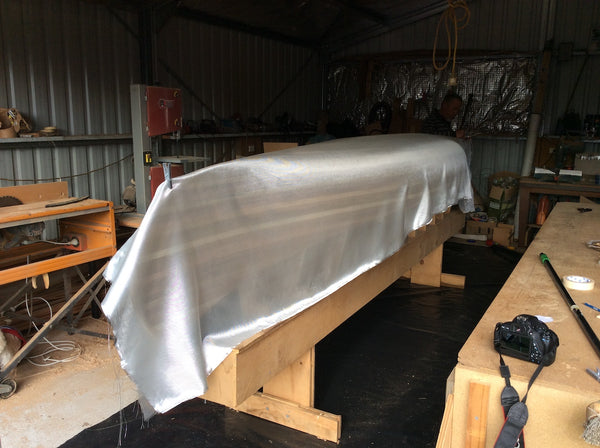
(515, 411)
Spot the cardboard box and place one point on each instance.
(503, 186)
(588, 164)
(500, 233)
(504, 234)
(502, 194)
(480, 228)
(500, 210)
(248, 146)
(503, 190)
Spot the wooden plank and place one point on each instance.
(33, 252)
(323, 425)
(37, 192)
(37, 211)
(429, 270)
(278, 146)
(133, 220)
(452, 280)
(295, 383)
(479, 395)
(54, 264)
(445, 437)
(255, 361)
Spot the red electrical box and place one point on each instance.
(164, 110)
(157, 176)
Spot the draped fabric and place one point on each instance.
(234, 248)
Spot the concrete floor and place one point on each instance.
(384, 370)
(56, 402)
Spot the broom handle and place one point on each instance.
(589, 332)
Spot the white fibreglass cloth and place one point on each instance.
(237, 247)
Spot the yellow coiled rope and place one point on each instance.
(457, 15)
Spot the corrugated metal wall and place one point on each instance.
(70, 64)
(493, 154)
(67, 64)
(574, 23)
(232, 74)
(236, 73)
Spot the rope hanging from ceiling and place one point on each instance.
(456, 16)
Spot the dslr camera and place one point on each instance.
(527, 338)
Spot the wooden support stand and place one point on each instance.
(280, 359)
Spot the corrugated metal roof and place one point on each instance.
(312, 23)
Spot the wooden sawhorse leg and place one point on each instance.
(288, 399)
(429, 272)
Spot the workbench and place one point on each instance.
(90, 221)
(529, 186)
(558, 399)
(86, 231)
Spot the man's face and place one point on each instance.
(450, 109)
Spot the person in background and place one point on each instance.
(322, 135)
(439, 122)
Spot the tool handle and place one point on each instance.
(589, 332)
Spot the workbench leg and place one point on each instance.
(68, 289)
(288, 399)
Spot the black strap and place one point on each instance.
(513, 426)
(533, 377)
(515, 412)
(509, 395)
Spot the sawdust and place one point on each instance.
(54, 403)
(91, 351)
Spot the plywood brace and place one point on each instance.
(321, 424)
(288, 399)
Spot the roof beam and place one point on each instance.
(199, 16)
(408, 18)
(373, 16)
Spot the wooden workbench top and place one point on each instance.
(46, 210)
(530, 290)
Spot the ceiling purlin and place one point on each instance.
(201, 16)
(398, 20)
(368, 13)
(325, 24)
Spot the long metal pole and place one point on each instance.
(589, 332)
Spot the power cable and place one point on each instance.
(46, 358)
(86, 173)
